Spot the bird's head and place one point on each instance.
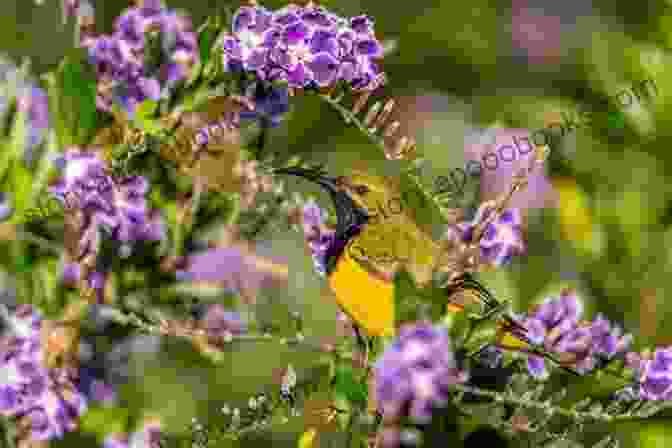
(351, 195)
(367, 190)
(356, 194)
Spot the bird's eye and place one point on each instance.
(361, 189)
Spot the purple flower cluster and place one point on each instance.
(654, 374)
(46, 398)
(128, 70)
(271, 103)
(119, 204)
(319, 239)
(303, 46)
(502, 239)
(413, 374)
(555, 325)
(231, 267)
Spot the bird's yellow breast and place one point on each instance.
(367, 299)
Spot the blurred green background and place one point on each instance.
(457, 66)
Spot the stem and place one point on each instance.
(351, 118)
(512, 399)
(178, 243)
(350, 429)
(77, 33)
(43, 243)
(186, 215)
(196, 201)
(235, 213)
(168, 328)
(261, 142)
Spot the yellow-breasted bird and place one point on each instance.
(375, 236)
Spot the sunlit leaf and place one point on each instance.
(76, 84)
(348, 386)
(307, 439)
(144, 117)
(104, 421)
(21, 179)
(576, 220)
(206, 39)
(19, 134)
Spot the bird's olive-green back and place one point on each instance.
(392, 235)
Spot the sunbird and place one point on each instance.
(375, 236)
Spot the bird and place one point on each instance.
(375, 237)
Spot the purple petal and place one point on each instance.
(287, 15)
(257, 59)
(243, 19)
(324, 41)
(8, 398)
(295, 33)
(71, 273)
(536, 366)
(325, 69)
(369, 47)
(656, 388)
(318, 17)
(362, 24)
(299, 76)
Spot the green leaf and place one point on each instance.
(5, 159)
(9, 431)
(56, 118)
(24, 263)
(206, 39)
(19, 135)
(343, 418)
(21, 180)
(483, 332)
(348, 386)
(458, 324)
(75, 82)
(616, 119)
(307, 439)
(405, 298)
(421, 206)
(316, 378)
(146, 109)
(47, 275)
(104, 421)
(145, 120)
(412, 304)
(403, 285)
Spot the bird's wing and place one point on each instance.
(417, 249)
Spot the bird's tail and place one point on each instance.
(467, 290)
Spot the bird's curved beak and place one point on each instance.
(348, 214)
(328, 183)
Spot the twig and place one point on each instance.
(512, 399)
(43, 243)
